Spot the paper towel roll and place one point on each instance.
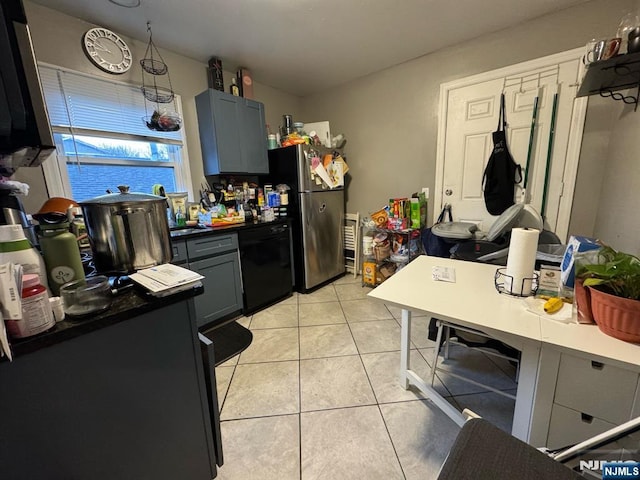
(521, 260)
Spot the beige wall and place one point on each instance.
(57, 40)
(391, 118)
(618, 219)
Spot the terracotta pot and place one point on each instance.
(616, 316)
(583, 303)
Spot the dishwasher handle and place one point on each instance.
(278, 229)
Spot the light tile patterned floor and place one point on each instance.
(316, 395)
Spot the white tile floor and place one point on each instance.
(316, 395)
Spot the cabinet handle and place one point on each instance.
(597, 365)
(586, 418)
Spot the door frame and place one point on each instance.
(576, 129)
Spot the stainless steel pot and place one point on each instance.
(127, 231)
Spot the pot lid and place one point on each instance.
(455, 230)
(505, 222)
(123, 197)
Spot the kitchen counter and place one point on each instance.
(126, 305)
(131, 400)
(190, 232)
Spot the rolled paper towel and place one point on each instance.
(521, 261)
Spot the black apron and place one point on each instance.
(499, 177)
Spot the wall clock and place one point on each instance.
(107, 50)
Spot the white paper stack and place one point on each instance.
(166, 279)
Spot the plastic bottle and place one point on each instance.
(15, 248)
(37, 316)
(61, 255)
(181, 220)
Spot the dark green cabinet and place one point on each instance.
(222, 293)
(233, 134)
(133, 400)
(216, 258)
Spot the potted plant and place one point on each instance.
(614, 287)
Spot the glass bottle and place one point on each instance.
(627, 23)
(233, 88)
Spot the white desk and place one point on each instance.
(473, 301)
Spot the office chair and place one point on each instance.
(482, 451)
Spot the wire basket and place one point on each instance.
(505, 284)
(153, 66)
(157, 94)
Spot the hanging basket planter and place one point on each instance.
(153, 66)
(157, 94)
(163, 122)
(157, 89)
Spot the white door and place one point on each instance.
(469, 114)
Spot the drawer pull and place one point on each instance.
(597, 365)
(586, 418)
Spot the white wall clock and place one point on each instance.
(107, 50)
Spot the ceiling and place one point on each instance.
(307, 46)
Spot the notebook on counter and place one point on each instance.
(166, 279)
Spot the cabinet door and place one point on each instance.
(254, 138)
(128, 401)
(228, 126)
(218, 124)
(222, 288)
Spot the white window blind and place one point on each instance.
(81, 102)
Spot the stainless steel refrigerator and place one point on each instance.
(317, 218)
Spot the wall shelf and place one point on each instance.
(606, 78)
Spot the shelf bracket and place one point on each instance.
(628, 99)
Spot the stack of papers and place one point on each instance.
(166, 279)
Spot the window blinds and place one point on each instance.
(82, 102)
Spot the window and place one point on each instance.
(102, 140)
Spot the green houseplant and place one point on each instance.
(614, 288)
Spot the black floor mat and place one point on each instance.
(228, 340)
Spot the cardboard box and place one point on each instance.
(549, 283)
(369, 273)
(415, 213)
(575, 245)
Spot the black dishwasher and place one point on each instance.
(265, 257)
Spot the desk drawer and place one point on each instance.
(596, 389)
(569, 427)
(211, 245)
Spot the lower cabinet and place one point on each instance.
(216, 258)
(133, 400)
(222, 291)
(590, 397)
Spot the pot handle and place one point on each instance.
(129, 211)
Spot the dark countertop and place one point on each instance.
(126, 305)
(190, 232)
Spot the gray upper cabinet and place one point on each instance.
(233, 134)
